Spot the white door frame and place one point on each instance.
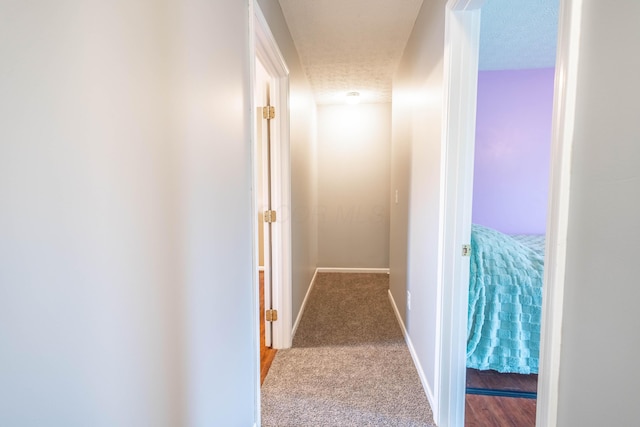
(566, 80)
(462, 38)
(460, 72)
(263, 82)
(265, 48)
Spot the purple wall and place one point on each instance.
(512, 154)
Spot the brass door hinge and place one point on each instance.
(271, 315)
(269, 216)
(268, 112)
(466, 250)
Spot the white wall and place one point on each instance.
(599, 372)
(126, 291)
(88, 322)
(416, 174)
(214, 153)
(303, 160)
(354, 143)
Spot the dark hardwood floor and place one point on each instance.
(493, 411)
(497, 411)
(266, 353)
(497, 381)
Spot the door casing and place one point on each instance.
(462, 22)
(262, 191)
(263, 46)
(267, 51)
(462, 40)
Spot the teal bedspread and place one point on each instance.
(505, 300)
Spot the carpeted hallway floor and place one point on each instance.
(349, 364)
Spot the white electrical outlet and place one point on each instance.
(408, 300)
(396, 197)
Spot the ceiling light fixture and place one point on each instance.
(353, 98)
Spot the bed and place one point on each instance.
(505, 300)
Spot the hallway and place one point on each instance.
(349, 364)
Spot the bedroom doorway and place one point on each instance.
(510, 193)
(462, 40)
(512, 153)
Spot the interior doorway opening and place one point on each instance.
(462, 25)
(263, 203)
(512, 153)
(272, 238)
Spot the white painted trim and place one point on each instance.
(266, 49)
(462, 35)
(352, 270)
(462, 5)
(414, 356)
(304, 304)
(262, 128)
(257, 406)
(558, 213)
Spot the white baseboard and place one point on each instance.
(304, 304)
(412, 351)
(416, 362)
(351, 270)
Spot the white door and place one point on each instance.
(264, 190)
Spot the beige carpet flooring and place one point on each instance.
(349, 364)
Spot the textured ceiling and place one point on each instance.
(356, 45)
(350, 45)
(516, 34)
